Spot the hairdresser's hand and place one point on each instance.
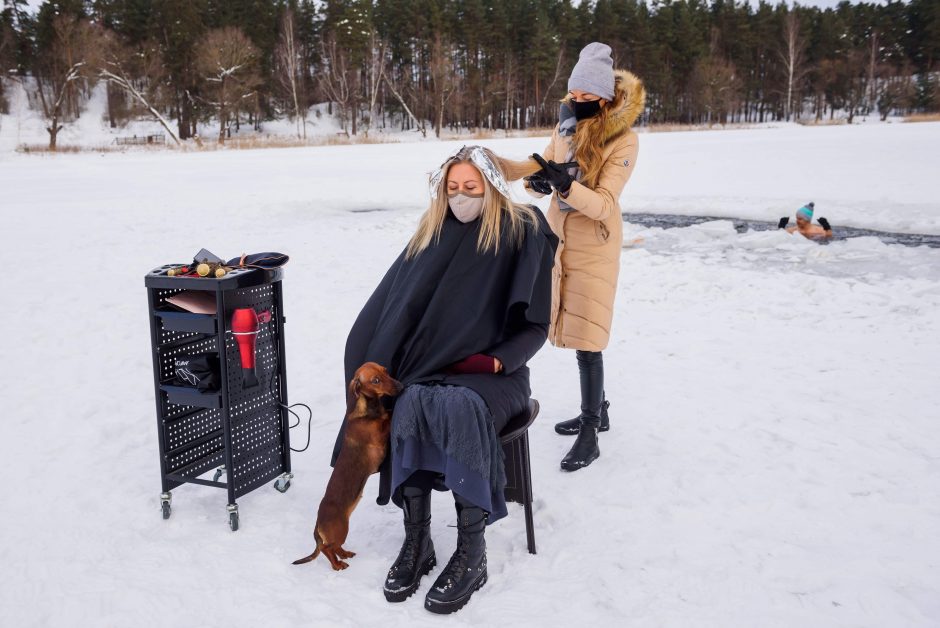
(556, 174)
(538, 183)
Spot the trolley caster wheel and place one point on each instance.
(165, 504)
(233, 517)
(283, 482)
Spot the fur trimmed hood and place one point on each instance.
(634, 98)
(629, 98)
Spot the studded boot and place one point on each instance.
(466, 570)
(416, 557)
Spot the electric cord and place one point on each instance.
(289, 408)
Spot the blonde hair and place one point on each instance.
(495, 206)
(591, 136)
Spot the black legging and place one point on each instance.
(591, 369)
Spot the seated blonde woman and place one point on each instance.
(456, 318)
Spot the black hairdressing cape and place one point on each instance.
(449, 302)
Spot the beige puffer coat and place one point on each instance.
(587, 262)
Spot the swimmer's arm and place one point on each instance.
(826, 226)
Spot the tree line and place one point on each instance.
(428, 65)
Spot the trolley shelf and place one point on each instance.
(185, 396)
(194, 443)
(192, 471)
(187, 321)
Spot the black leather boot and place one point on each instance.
(573, 426)
(585, 449)
(466, 571)
(416, 557)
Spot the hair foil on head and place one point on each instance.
(481, 160)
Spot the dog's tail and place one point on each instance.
(316, 552)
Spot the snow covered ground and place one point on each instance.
(775, 452)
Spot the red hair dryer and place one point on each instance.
(245, 326)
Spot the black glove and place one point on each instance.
(825, 224)
(556, 174)
(538, 183)
(783, 222)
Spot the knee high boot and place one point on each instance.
(585, 449)
(466, 570)
(416, 557)
(573, 426)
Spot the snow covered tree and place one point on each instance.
(289, 69)
(68, 58)
(793, 55)
(138, 73)
(227, 62)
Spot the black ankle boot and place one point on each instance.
(585, 450)
(416, 557)
(573, 426)
(466, 571)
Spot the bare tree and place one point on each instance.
(70, 58)
(7, 59)
(336, 78)
(856, 82)
(397, 92)
(716, 87)
(873, 54)
(558, 70)
(290, 75)
(442, 78)
(896, 91)
(227, 61)
(376, 73)
(793, 56)
(137, 73)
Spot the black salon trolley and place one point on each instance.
(240, 432)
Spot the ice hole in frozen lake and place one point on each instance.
(761, 246)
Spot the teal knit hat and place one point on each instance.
(806, 211)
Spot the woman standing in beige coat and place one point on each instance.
(593, 131)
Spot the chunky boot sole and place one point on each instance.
(571, 426)
(574, 465)
(401, 595)
(445, 608)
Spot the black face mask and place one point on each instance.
(585, 110)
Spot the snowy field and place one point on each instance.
(774, 458)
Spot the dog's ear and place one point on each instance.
(352, 394)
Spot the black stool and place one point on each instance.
(515, 441)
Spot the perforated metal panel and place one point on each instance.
(256, 426)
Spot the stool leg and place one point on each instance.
(527, 491)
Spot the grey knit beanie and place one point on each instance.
(594, 71)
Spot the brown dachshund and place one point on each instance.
(364, 446)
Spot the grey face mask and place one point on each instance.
(466, 208)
